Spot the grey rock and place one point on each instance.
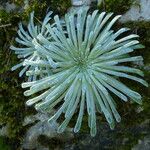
(42, 127)
(106, 139)
(139, 109)
(77, 2)
(4, 131)
(83, 2)
(147, 67)
(10, 7)
(143, 144)
(32, 118)
(140, 10)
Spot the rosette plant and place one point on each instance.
(89, 59)
(27, 51)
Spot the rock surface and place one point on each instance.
(143, 144)
(4, 131)
(42, 127)
(139, 11)
(107, 139)
(82, 2)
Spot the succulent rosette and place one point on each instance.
(27, 51)
(90, 59)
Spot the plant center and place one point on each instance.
(82, 63)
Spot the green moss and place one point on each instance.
(3, 145)
(59, 6)
(143, 30)
(12, 101)
(18, 2)
(116, 6)
(35, 6)
(131, 119)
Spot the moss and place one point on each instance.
(3, 145)
(18, 2)
(12, 101)
(36, 6)
(116, 6)
(142, 28)
(59, 6)
(52, 143)
(131, 119)
(12, 110)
